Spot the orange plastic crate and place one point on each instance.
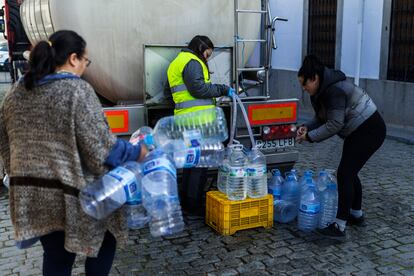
(229, 216)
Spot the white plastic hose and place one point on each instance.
(234, 119)
(246, 119)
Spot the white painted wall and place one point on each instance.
(371, 38)
(288, 34)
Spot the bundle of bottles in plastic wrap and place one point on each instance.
(314, 202)
(149, 189)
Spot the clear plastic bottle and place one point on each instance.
(275, 185)
(160, 195)
(291, 190)
(136, 214)
(143, 134)
(322, 181)
(331, 175)
(294, 172)
(302, 181)
(284, 211)
(236, 183)
(256, 174)
(309, 209)
(204, 154)
(211, 123)
(102, 197)
(211, 154)
(329, 205)
(223, 172)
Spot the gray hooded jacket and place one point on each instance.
(340, 107)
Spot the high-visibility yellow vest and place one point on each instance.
(184, 101)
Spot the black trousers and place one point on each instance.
(192, 190)
(358, 147)
(58, 261)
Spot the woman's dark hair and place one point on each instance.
(311, 66)
(47, 55)
(199, 44)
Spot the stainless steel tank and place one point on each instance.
(116, 30)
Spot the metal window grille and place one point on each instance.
(322, 30)
(401, 56)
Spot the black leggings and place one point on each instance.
(358, 147)
(58, 261)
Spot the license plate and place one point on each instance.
(276, 144)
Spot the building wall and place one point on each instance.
(371, 38)
(394, 99)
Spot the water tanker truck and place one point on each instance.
(131, 43)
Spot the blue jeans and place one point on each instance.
(58, 261)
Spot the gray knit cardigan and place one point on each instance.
(54, 140)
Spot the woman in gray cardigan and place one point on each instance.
(54, 139)
(346, 110)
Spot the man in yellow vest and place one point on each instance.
(192, 90)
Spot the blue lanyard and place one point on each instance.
(53, 77)
(56, 76)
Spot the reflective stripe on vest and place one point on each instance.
(194, 103)
(178, 88)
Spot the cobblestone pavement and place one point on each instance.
(385, 246)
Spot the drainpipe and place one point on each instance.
(359, 40)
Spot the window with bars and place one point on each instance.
(322, 30)
(401, 55)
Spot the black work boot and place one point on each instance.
(333, 232)
(360, 221)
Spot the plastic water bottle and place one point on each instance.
(160, 195)
(275, 185)
(302, 182)
(211, 123)
(291, 190)
(211, 154)
(236, 183)
(256, 174)
(102, 197)
(331, 175)
(329, 205)
(143, 134)
(136, 214)
(294, 172)
(203, 154)
(6, 181)
(284, 211)
(309, 209)
(223, 172)
(322, 180)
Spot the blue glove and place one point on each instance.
(230, 92)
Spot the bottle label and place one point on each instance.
(258, 171)
(128, 181)
(310, 208)
(159, 164)
(192, 158)
(192, 138)
(237, 172)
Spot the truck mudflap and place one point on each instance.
(125, 120)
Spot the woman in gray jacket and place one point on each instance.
(344, 109)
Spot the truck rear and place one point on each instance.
(132, 42)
